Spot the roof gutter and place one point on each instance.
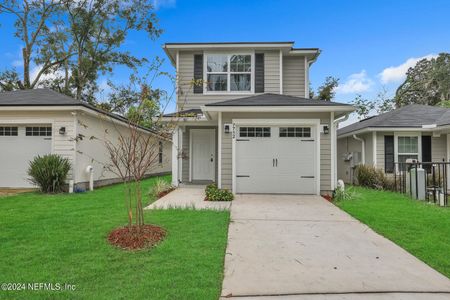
(363, 148)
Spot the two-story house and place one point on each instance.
(245, 121)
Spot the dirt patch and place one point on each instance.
(10, 192)
(163, 193)
(136, 238)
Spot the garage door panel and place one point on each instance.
(15, 154)
(276, 164)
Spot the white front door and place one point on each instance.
(276, 159)
(203, 152)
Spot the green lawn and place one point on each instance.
(422, 229)
(62, 239)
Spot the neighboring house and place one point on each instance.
(415, 131)
(41, 121)
(249, 125)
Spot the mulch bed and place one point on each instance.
(136, 238)
(328, 198)
(162, 194)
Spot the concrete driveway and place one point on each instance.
(302, 247)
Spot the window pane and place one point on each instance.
(240, 82)
(217, 63)
(217, 82)
(240, 63)
(408, 144)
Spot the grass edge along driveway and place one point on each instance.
(420, 228)
(62, 239)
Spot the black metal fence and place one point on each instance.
(423, 180)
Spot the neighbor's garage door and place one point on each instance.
(276, 159)
(18, 145)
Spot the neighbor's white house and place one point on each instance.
(249, 125)
(418, 132)
(41, 121)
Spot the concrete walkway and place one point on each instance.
(302, 247)
(191, 197)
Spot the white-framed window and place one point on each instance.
(295, 132)
(38, 131)
(407, 145)
(254, 132)
(229, 73)
(8, 130)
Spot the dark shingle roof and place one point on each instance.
(36, 97)
(413, 116)
(185, 113)
(275, 100)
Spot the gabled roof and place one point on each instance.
(193, 112)
(46, 97)
(410, 116)
(285, 46)
(36, 97)
(275, 100)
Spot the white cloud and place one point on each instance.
(53, 75)
(398, 73)
(157, 4)
(17, 63)
(355, 83)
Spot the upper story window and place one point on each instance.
(229, 72)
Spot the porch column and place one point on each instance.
(333, 151)
(374, 148)
(175, 136)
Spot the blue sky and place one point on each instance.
(367, 44)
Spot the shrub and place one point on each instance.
(343, 194)
(161, 188)
(369, 176)
(215, 194)
(49, 172)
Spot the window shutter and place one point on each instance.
(426, 151)
(198, 73)
(388, 153)
(259, 73)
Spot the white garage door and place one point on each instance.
(276, 159)
(19, 144)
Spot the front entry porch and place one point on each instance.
(196, 148)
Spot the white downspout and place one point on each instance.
(363, 148)
(334, 128)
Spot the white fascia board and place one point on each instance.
(224, 46)
(277, 108)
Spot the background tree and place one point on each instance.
(34, 20)
(363, 106)
(428, 82)
(327, 90)
(77, 41)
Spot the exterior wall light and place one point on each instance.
(326, 130)
(62, 130)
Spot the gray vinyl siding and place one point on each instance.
(439, 148)
(272, 72)
(325, 144)
(294, 76)
(186, 98)
(380, 149)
